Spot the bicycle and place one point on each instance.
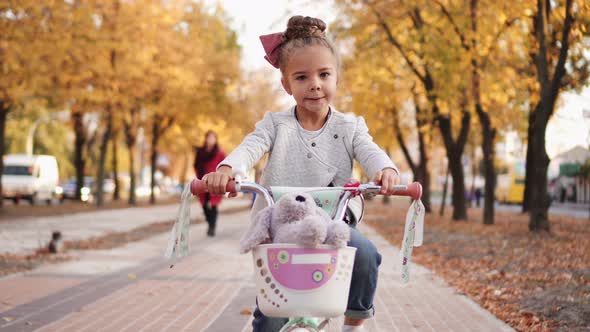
(310, 285)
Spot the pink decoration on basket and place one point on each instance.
(284, 266)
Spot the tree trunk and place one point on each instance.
(528, 165)
(132, 176)
(487, 146)
(539, 200)
(153, 158)
(473, 177)
(132, 181)
(459, 204)
(159, 127)
(115, 166)
(114, 133)
(131, 141)
(79, 143)
(549, 91)
(424, 179)
(420, 170)
(454, 148)
(103, 156)
(3, 114)
(454, 155)
(443, 202)
(489, 153)
(423, 175)
(488, 131)
(470, 194)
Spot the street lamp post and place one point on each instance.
(62, 116)
(31, 135)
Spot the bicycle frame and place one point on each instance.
(306, 302)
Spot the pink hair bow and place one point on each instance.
(271, 44)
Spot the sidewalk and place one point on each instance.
(25, 235)
(132, 288)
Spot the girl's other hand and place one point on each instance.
(217, 181)
(387, 179)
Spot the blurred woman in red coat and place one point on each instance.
(206, 160)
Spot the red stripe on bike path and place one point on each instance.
(32, 315)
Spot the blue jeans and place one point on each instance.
(362, 286)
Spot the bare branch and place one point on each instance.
(560, 67)
(541, 56)
(394, 41)
(167, 122)
(462, 38)
(443, 34)
(494, 43)
(464, 131)
(400, 139)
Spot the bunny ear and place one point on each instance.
(258, 232)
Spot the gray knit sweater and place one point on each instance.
(298, 161)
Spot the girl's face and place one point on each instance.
(210, 140)
(311, 77)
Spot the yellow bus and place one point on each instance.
(510, 186)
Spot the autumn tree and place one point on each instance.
(73, 46)
(479, 33)
(21, 23)
(128, 65)
(393, 110)
(199, 59)
(558, 46)
(407, 30)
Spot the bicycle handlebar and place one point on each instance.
(199, 187)
(413, 190)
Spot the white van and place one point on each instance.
(32, 177)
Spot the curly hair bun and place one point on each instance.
(305, 27)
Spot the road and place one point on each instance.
(581, 211)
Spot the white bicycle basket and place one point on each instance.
(306, 282)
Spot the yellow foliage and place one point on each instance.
(168, 61)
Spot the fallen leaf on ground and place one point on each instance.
(517, 275)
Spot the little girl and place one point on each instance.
(312, 144)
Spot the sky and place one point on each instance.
(252, 18)
(569, 126)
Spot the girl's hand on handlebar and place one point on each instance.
(216, 182)
(387, 179)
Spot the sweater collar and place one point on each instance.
(299, 127)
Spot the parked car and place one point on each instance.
(108, 186)
(69, 189)
(88, 190)
(145, 191)
(31, 177)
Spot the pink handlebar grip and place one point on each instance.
(199, 187)
(413, 190)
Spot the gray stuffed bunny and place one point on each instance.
(295, 218)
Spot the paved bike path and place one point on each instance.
(132, 288)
